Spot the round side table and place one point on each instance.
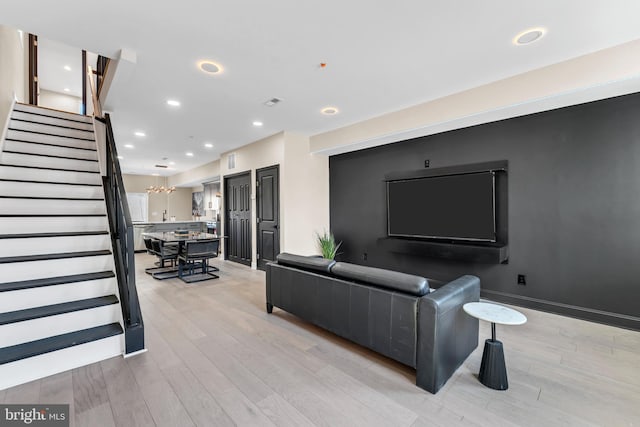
(493, 371)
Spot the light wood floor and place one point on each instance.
(216, 358)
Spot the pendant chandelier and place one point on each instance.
(160, 189)
(157, 189)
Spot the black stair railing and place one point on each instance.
(123, 244)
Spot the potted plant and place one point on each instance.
(327, 245)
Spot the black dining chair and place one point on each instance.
(164, 252)
(197, 252)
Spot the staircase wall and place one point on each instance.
(13, 48)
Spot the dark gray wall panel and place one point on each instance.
(574, 207)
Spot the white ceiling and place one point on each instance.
(381, 56)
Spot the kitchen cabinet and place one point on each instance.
(211, 201)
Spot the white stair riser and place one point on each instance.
(50, 139)
(51, 120)
(44, 327)
(27, 174)
(53, 207)
(52, 113)
(32, 189)
(49, 245)
(33, 368)
(49, 150)
(52, 225)
(29, 270)
(49, 162)
(49, 129)
(47, 295)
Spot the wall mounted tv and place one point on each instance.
(448, 207)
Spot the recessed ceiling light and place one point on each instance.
(172, 163)
(529, 36)
(155, 174)
(208, 145)
(189, 154)
(66, 89)
(257, 123)
(120, 157)
(210, 67)
(138, 133)
(128, 145)
(173, 103)
(329, 111)
(66, 67)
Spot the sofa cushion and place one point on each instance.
(306, 262)
(407, 283)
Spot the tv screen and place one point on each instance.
(460, 207)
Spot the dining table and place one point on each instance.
(171, 237)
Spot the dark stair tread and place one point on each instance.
(50, 144)
(39, 116)
(42, 111)
(50, 182)
(55, 309)
(46, 257)
(52, 198)
(58, 342)
(52, 281)
(49, 169)
(52, 134)
(49, 156)
(51, 124)
(60, 234)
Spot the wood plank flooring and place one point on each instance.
(216, 358)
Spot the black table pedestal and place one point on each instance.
(493, 371)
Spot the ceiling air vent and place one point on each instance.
(272, 102)
(162, 166)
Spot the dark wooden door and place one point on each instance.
(268, 218)
(33, 69)
(237, 198)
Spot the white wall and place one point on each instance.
(60, 101)
(197, 175)
(176, 204)
(304, 186)
(13, 47)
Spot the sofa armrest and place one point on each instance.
(446, 334)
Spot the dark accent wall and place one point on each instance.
(574, 207)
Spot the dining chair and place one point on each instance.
(198, 252)
(164, 252)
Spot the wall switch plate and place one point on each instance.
(522, 279)
(364, 256)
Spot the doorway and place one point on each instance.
(237, 205)
(268, 215)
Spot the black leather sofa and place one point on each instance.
(392, 313)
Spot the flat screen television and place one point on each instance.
(450, 207)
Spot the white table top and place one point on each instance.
(494, 313)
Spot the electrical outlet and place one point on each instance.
(426, 163)
(522, 279)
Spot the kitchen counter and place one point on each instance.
(166, 222)
(159, 227)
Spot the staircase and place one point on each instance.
(58, 303)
